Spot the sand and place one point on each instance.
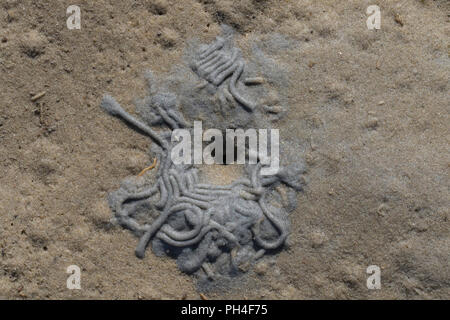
(371, 108)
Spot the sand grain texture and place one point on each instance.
(370, 107)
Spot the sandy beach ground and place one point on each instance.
(372, 105)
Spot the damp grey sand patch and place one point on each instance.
(216, 232)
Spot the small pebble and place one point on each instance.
(382, 210)
(372, 123)
(261, 268)
(38, 96)
(256, 80)
(318, 239)
(398, 18)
